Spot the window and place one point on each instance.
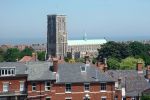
(103, 98)
(133, 98)
(68, 87)
(5, 87)
(47, 86)
(22, 86)
(48, 98)
(7, 71)
(33, 86)
(83, 69)
(68, 98)
(103, 86)
(86, 87)
(116, 97)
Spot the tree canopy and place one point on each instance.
(12, 55)
(122, 55)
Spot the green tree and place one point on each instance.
(12, 54)
(1, 58)
(26, 52)
(1, 55)
(113, 63)
(130, 63)
(145, 97)
(137, 48)
(41, 55)
(115, 50)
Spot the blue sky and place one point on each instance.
(113, 19)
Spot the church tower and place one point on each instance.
(56, 35)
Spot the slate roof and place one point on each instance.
(20, 67)
(39, 71)
(133, 82)
(71, 73)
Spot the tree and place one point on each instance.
(41, 55)
(113, 63)
(145, 97)
(115, 50)
(130, 63)
(137, 48)
(11, 55)
(1, 55)
(1, 58)
(26, 52)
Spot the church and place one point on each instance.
(58, 44)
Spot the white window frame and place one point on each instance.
(46, 86)
(103, 97)
(84, 68)
(48, 98)
(68, 98)
(133, 98)
(85, 89)
(34, 86)
(5, 86)
(22, 86)
(103, 88)
(7, 71)
(67, 90)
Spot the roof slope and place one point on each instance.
(133, 82)
(72, 73)
(86, 42)
(38, 71)
(20, 67)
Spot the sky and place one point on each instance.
(112, 19)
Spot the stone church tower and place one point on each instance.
(56, 35)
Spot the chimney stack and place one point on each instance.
(87, 59)
(102, 65)
(34, 57)
(55, 64)
(148, 72)
(139, 67)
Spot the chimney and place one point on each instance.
(55, 64)
(148, 72)
(87, 59)
(139, 67)
(34, 56)
(102, 65)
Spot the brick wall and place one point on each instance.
(58, 91)
(14, 83)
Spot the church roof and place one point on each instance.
(86, 42)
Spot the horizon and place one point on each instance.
(115, 20)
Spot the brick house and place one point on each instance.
(13, 80)
(76, 81)
(131, 82)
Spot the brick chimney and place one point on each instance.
(139, 67)
(102, 65)
(87, 59)
(148, 72)
(34, 56)
(55, 64)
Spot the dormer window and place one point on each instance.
(7, 71)
(83, 69)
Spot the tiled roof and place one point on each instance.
(133, 82)
(72, 73)
(20, 67)
(26, 59)
(38, 71)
